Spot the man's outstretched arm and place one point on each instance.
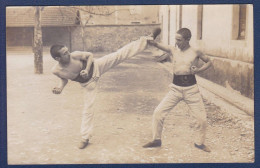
(63, 83)
(161, 46)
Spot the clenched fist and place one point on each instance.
(194, 70)
(56, 90)
(84, 73)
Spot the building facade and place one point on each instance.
(224, 33)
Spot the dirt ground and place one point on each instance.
(44, 128)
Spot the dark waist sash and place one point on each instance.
(184, 80)
(80, 79)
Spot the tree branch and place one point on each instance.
(101, 14)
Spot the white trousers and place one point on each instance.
(193, 99)
(102, 65)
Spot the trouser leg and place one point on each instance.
(102, 65)
(111, 60)
(197, 109)
(90, 92)
(169, 101)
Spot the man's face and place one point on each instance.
(180, 41)
(64, 55)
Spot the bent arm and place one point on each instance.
(84, 56)
(88, 56)
(205, 59)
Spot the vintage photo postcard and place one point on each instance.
(130, 84)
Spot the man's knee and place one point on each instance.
(158, 114)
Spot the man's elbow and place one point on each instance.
(209, 63)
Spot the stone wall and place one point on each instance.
(98, 38)
(108, 38)
(56, 35)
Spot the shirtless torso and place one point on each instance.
(71, 66)
(184, 60)
(72, 69)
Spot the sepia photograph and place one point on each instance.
(130, 84)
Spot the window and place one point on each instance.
(77, 21)
(242, 22)
(239, 22)
(199, 22)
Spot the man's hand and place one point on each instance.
(56, 90)
(84, 73)
(194, 70)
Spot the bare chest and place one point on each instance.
(70, 71)
(186, 58)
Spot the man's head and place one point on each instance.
(182, 38)
(60, 53)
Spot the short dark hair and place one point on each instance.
(55, 50)
(185, 32)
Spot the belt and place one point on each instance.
(184, 80)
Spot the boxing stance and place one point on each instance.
(81, 67)
(184, 87)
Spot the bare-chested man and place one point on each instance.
(184, 87)
(81, 67)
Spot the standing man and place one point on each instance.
(80, 67)
(184, 87)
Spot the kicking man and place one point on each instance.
(81, 67)
(184, 87)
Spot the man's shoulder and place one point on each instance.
(79, 55)
(76, 53)
(197, 50)
(172, 48)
